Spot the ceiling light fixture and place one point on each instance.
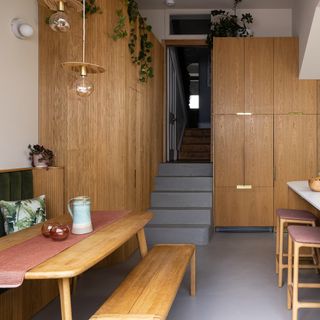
(59, 21)
(83, 86)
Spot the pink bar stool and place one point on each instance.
(286, 217)
(300, 237)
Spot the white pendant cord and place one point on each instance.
(83, 30)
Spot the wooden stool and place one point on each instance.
(286, 217)
(299, 237)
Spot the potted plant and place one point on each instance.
(40, 156)
(226, 24)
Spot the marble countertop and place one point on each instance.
(303, 190)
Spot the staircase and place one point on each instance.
(182, 204)
(196, 145)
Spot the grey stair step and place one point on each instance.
(196, 148)
(194, 155)
(199, 234)
(197, 132)
(181, 216)
(183, 184)
(186, 169)
(181, 199)
(196, 140)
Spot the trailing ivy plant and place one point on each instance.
(92, 8)
(139, 43)
(226, 24)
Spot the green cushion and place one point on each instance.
(22, 214)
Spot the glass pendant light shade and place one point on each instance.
(83, 86)
(59, 21)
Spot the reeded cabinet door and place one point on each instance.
(295, 152)
(228, 75)
(291, 95)
(258, 151)
(259, 75)
(228, 150)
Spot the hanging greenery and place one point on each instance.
(140, 55)
(92, 8)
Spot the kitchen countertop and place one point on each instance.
(303, 190)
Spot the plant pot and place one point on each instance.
(37, 163)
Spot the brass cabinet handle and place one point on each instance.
(244, 113)
(295, 113)
(244, 186)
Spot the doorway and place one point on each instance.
(188, 102)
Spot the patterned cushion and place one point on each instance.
(23, 214)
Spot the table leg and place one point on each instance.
(142, 243)
(65, 298)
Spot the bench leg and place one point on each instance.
(193, 274)
(65, 298)
(142, 243)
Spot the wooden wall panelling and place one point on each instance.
(259, 150)
(290, 93)
(229, 150)
(50, 183)
(259, 75)
(295, 153)
(110, 143)
(228, 75)
(243, 208)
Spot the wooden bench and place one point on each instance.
(150, 289)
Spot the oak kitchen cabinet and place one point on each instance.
(265, 128)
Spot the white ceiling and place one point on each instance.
(211, 4)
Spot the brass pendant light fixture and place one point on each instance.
(59, 21)
(83, 86)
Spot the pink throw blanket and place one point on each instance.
(17, 260)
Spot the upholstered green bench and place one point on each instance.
(22, 184)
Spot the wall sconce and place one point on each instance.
(21, 29)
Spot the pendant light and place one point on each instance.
(83, 86)
(59, 21)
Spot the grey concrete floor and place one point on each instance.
(236, 280)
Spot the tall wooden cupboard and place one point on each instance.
(258, 128)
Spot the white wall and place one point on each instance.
(306, 26)
(18, 85)
(267, 22)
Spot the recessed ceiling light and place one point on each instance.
(170, 3)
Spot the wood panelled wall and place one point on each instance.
(110, 143)
(275, 142)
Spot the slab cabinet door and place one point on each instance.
(258, 151)
(259, 75)
(229, 150)
(243, 208)
(291, 95)
(295, 154)
(228, 75)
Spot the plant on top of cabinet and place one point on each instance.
(40, 156)
(226, 24)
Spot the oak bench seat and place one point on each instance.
(149, 290)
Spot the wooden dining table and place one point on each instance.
(80, 257)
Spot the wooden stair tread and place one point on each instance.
(151, 287)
